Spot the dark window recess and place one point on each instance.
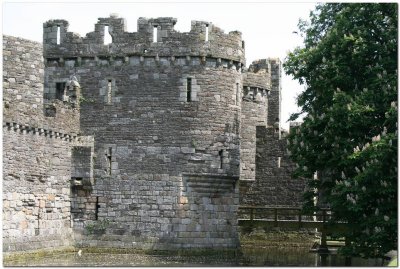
(96, 213)
(237, 94)
(221, 158)
(50, 111)
(276, 125)
(109, 160)
(60, 90)
(189, 90)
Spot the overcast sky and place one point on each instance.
(267, 28)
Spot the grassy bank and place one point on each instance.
(275, 237)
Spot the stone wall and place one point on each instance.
(275, 97)
(274, 185)
(36, 160)
(23, 80)
(269, 181)
(256, 88)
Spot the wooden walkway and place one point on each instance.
(289, 217)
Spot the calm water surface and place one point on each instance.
(263, 256)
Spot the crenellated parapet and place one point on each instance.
(154, 38)
(257, 81)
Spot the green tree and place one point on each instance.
(348, 65)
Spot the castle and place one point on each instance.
(151, 141)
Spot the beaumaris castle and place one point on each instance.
(150, 141)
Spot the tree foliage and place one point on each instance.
(348, 65)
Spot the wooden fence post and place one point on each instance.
(299, 218)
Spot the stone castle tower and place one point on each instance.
(139, 143)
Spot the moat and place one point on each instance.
(264, 256)
(258, 248)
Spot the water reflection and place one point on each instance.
(262, 256)
(298, 256)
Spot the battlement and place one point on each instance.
(258, 74)
(155, 37)
(257, 80)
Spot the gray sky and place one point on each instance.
(267, 28)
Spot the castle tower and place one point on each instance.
(264, 146)
(164, 108)
(256, 91)
(275, 98)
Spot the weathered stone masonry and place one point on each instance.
(263, 147)
(136, 144)
(36, 154)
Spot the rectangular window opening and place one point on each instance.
(221, 158)
(206, 32)
(189, 90)
(107, 36)
(109, 91)
(279, 162)
(155, 29)
(237, 94)
(58, 34)
(96, 213)
(60, 90)
(109, 161)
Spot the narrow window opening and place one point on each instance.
(221, 158)
(60, 90)
(206, 32)
(243, 44)
(109, 91)
(189, 90)
(237, 94)
(276, 125)
(58, 34)
(279, 162)
(37, 230)
(107, 36)
(109, 161)
(96, 213)
(155, 29)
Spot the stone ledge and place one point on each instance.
(40, 131)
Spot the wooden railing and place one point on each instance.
(292, 218)
(280, 215)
